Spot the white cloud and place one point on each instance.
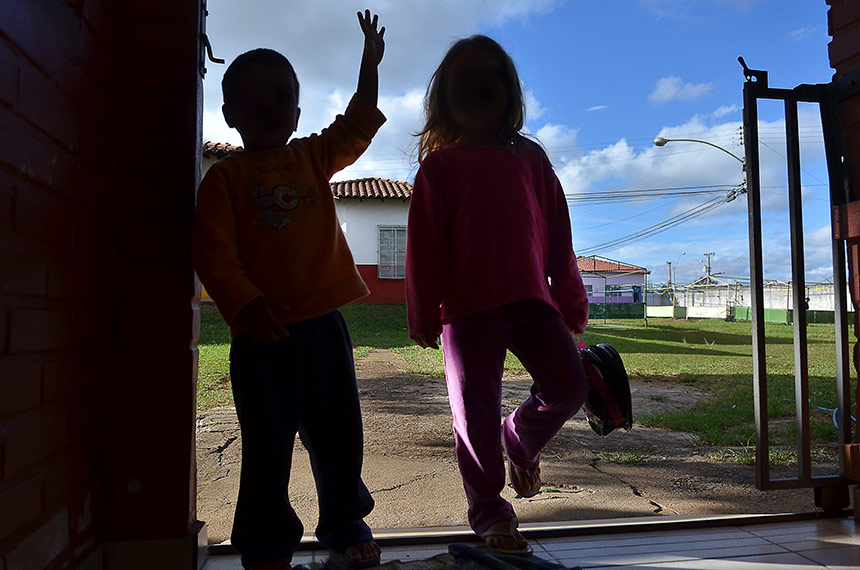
(687, 9)
(558, 140)
(392, 152)
(672, 88)
(534, 110)
(596, 108)
(683, 164)
(801, 34)
(216, 130)
(724, 110)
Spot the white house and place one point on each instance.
(372, 214)
(610, 281)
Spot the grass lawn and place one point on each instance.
(713, 355)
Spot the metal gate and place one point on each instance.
(831, 491)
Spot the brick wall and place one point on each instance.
(844, 26)
(843, 19)
(99, 147)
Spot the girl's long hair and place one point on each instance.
(439, 129)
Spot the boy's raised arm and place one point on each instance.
(374, 48)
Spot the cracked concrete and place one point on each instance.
(411, 470)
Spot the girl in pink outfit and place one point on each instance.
(490, 267)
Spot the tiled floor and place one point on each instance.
(827, 543)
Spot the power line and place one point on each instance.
(664, 225)
(639, 194)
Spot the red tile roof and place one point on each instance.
(219, 150)
(594, 264)
(371, 188)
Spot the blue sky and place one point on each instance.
(603, 77)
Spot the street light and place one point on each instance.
(677, 261)
(660, 141)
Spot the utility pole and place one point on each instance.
(671, 286)
(708, 255)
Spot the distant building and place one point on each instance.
(610, 281)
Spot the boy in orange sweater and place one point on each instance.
(268, 247)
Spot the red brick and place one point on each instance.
(157, 236)
(45, 216)
(7, 206)
(842, 15)
(64, 277)
(146, 497)
(844, 47)
(851, 113)
(152, 112)
(43, 546)
(93, 57)
(147, 9)
(28, 24)
(20, 384)
(4, 329)
(165, 322)
(141, 278)
(172, 159)
(21, 506)
(90, 322)
(158, 74)
(61, 379)
(174, 403)
(28, 443)
(34, 330)
(9, 71)
(23, 274)
(31, 154)
(96, 17)
(57, 484)
(142, 194)
(43, 103)
(136, 368)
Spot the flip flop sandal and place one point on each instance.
(524, 552)
(525, 493)
(341, 560)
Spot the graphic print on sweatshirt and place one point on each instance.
(275, 204)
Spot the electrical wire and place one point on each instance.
(663, 225)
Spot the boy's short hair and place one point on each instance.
(259, 56)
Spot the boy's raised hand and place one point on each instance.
(374, 44)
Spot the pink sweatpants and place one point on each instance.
(474, 347)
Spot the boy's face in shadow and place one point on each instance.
(265, 110)
(476, 94)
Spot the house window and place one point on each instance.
(392, 252)
(589, 289)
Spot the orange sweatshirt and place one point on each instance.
(266, 224)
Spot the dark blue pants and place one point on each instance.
(304, 384)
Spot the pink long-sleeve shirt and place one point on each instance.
(489, 226)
